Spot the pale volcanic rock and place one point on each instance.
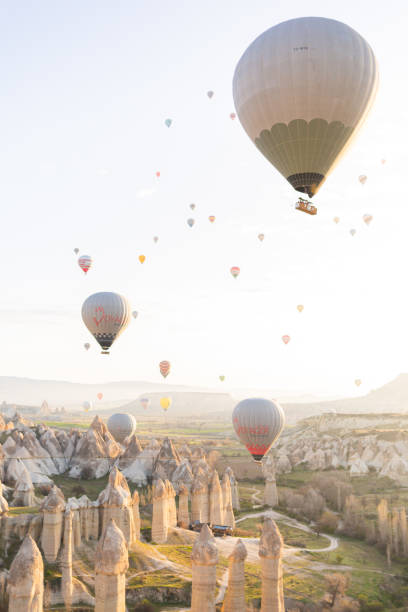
(160, 520)
(4, 507)
(357, 466)
(26, 579)
(73, 506)
(23, 494)
(283, 465)
(216, 501)
(171, 503)
(270, 553)
(183, 511)
(142, 467)
(270, 491)
(228, 513)
(22, 448)
(235, 598)
(204, 557)
(185, 452)
(95, 451)
(200, 510)
(111, 565)
(182, 476)
(396, 468)
(202, 470)
(49, 441)
(166, 461)
(133, 450)
(67, 444)
(66, 562)
(116, 503)
(234, 488)
(136, 514)
(52, 508)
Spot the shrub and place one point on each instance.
(145, 606)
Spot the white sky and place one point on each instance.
(86, 87)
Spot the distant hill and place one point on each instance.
(191, 404)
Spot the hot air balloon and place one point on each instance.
(367, 219)
(134, 314)
(192, 206)
(144, 402)
(362, 178)
(165, 403)
(358, 382)
(336, 219)
(353, 231)
(106, 316)
(258, 424)
(383, 161)
(155, 238)
(210, 94)
(76, 251)
(190, 222)
(121, 426)
(300, 307)
(85, 262)
(261, 237)
(286, 339)
(211, 218)
(142, 258)
(99, 396)
(292, 95)
(168, 122)
(232, 116)
(164, 367)
(87, 346)
(87, 406)
(235, 271)
(158, 174)
(222, 378)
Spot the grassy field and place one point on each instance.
(72, 487)
(291, 535)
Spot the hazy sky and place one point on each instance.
(86, 87)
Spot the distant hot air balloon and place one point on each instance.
(222, 378)
(210, 94)
(367, 219)
(353, 231)
(155, 238)
(383, 161)
(142, 258)
(362, 178)
(87, 346)
(87, 406)
(211, 218)
(358, 382)
(232, 116)
(145, 402)
(99, 396)
(121, 426)
(235, 271)
(165, 403)
(300, 307)
(158, 174)
(190, 222)
(85, 262)
(106, 316)
(76, 251)
(336, 219)
(134, 314)
(261, 237)
(192, 206)
(290, 87)
(258, 424)
(168, 122)
(286, 339)
(164, 367)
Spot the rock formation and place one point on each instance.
(171, 503)
(182, 476)
(66, 562)
(4, 507)
(26, 579)
(23, 494)
(52, 508)
(166, 461)
(111, 565)
(235, 598)
(216, 501)
(95, 452)
(136, 514)
(234, 488)
(204, 559)
(228, 513)
(199, 500)
(115, 502)
(270, 491)
(142, 467)
(160, 520)
(270, 552)
(183, 511)
(133, 450)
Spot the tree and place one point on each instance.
(336, 585)
(328, 521)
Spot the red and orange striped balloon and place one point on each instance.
(164, 368)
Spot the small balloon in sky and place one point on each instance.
(155, 238)
(358, 382)
(142, 258)
(76, 251)
(158, 174)
(235, 271)
(134, 314)
(87, 346)
(383, 161)
(300, 307)
(336, 219)
(190, 222)
(99, 396)
(168, 122)
(85, 262)
(165, 403)
(222, 378)
(164, 367)
(192, 206)
(86, 406)
(362, 178)
(232, 116)
(210, 94)
(261, 237)
(286, 339)
(145, 402)
(211, 218)
(353, 232)
(367, 219)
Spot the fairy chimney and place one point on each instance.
(270, 491)
(199, 501)
(66, 562)
(270, 553)
(183, 511)
(160, 520)
(171, 502)
(228, 512)
(23, 494)
(111, 565)
(136, 514)
(52, 508)
(235, 598)
(216, 501)
(4, 507)
(204, 559)
(115, 502)
(234, 488)
(26, 579)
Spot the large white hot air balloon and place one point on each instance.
(292, 95)
(121, 426)
(258, 423)
(106, 315)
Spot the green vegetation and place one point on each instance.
(23, 510)
(71, 486)
(291, 535)
(69, 426)
(177, 554)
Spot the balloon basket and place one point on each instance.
(104, 352)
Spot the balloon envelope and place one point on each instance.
(261, 237)
(164, 367)
(85, 262)
(106, 316)
(144, 402)
(190, 222)
(232, 116)
(121, 426)
(222, 378)
(258, 423)
(86, 406)
(134, 314)
(158, 174)
(292, 95)
(168, 122)
(211, 218)
(99, 396)
(192, 206)
(336, 219)
(300, 307)
(353, 231)
(210, 94)
(235, 271)
(76, 251)
(87, 346)
(362, 178)
(357, 382)
(165, 403)
(367, 219)
(155, 238)
(286, 339)
(142, 258)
